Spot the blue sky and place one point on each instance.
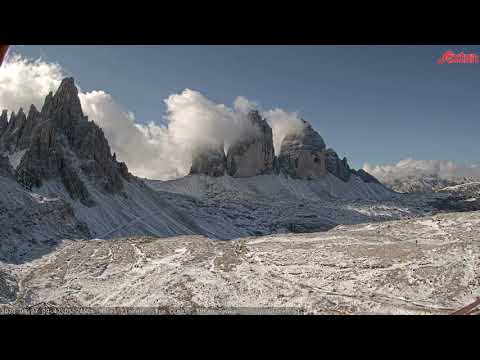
(375, 104)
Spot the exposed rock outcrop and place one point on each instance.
(336, 166)
(210, 161)
(25, 135)
(255, 154)
(12, 133)
(302, 155)
(68, 147)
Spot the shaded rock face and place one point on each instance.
(303, 155)
(3, 122)
(25, 136)
(12, 132)
(5, 167)
(210, 161)
(336, 166)
(255, 154)
(65, 145)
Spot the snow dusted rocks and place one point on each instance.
(69, 148)
(255, 154)
(302, 155)
(210, 161)
(396, 267)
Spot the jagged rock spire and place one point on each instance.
(32, 112)
(3, 122)
(47, 105)
(17, 134)
(69, 148)
(336, 166)
(64, 106)
(21, 119)
(12, 123)
(25, 136)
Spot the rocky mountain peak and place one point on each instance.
(21, 114)
(302, 154)
(12, 123)
(253, 155)
(68, 147)
(209, 161)
(32, 112)
(64, 106)
(309, 140)
(16, 135)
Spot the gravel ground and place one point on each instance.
(428, 265)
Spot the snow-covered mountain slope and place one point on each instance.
(278, 204)
(228, 208)
(419, 266)
(137, 210)
(31, 224)
(274, 187)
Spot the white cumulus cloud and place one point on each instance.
(24, 82)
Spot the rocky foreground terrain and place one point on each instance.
(427, 265)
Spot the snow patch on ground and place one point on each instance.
(397, 267)
(16, 158)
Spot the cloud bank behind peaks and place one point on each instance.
(193, 122)
(443, 169)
